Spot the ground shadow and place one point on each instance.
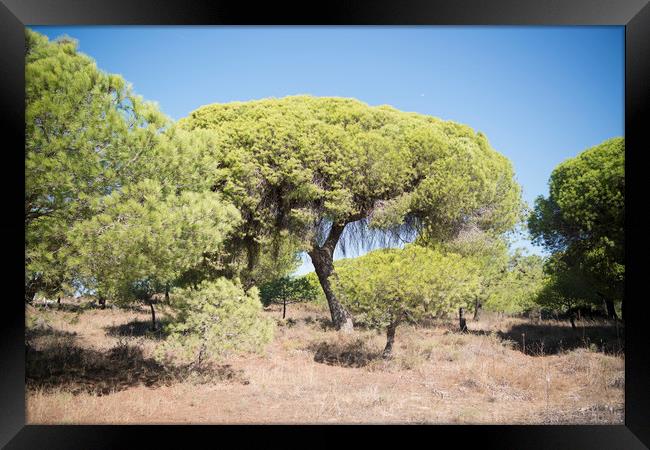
(32, 333)
(320, 322)
(62, 364)
(326, 324)
(548, 338)
(350, 354)
(79, 307)
(139, 328)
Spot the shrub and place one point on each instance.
(388, 286)
(214, 319)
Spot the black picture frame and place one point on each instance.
(15, 14)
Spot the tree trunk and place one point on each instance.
(623, 309)
(58, 301)
(390, 339)
(477, 309)
(462, 323)
(153, 316)
(611, 311)
(608, 307)
(324, 265)
(167, 293)
(102, 302)
(252, 257)
(323, 260)
(572, 318)
(284, 308)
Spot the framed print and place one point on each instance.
(371, 213)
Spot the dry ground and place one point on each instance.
(94, 366)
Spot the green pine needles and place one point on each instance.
(215, 319)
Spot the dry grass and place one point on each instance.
(95, 366)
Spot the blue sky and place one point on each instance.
(540, 94)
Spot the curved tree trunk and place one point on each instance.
(323, 259)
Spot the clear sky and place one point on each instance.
(540, 94)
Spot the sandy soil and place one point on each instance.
(94, 366)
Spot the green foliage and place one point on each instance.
(311, 166)
(487, 252)
(312, 279)
(582, 220)
(278, 258)
(214, 319)
(565, 286)
(507, 283)
(518, 289)
(145, 237)
(288, 290)
(86, 134)
(301, 162)
(275, 257)
(389, 285)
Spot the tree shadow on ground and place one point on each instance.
(139, 328)
(326, 324)
(547, 339)
(32, 333)
(79, 307)
(323, 323)
(348, 354)
(60, 363)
